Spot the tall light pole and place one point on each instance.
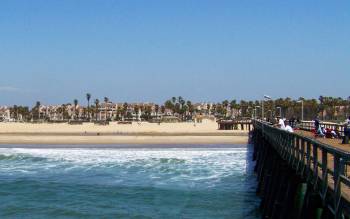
(262, 104)
(270, 111)
(248, 109)
(256, 110)
(302, 109)
(280, 109)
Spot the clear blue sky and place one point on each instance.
(149, 50)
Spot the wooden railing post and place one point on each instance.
(315, 163)
(324, 174)
(338, 171)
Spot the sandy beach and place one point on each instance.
(143, 133)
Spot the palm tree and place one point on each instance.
(208, 109)
(88, 97)
(156, 108)
(60, 111)
(321, 99)
(75, 107)
(162, 109)
(97, 102)
(181, 101)
(15, 112)
(190, 107)
(169, 105)
(225, 104)
(37, 107)
(106, 102)
(233, 107)
(125, 109)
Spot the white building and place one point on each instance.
(5, 114)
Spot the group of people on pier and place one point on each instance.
(285, 125)
(324, 132)
(332, 133)
(319, 129)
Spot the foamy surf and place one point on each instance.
(137, 171)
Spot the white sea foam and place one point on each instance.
(93, 156)
(158, 166)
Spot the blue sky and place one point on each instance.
(149, 50)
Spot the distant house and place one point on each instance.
(5, 114)
(107, 111)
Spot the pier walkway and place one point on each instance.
(335, 142)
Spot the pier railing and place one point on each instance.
(324, 166)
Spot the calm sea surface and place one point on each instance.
(128, 183)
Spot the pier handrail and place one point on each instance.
(322, 164)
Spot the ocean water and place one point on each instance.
(128, 183)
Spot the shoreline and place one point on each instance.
(152, 134)
(123, 146)
(115, 140)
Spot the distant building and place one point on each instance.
(5, 114)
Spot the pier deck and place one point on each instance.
(329, 141)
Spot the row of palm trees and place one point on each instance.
(328, 108)
(97, 104)
(180, 106)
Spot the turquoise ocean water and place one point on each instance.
(128, 183)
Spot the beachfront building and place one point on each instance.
(58, 113)
(204, 109)
(107, 111)
(5, 114)
(139, 111)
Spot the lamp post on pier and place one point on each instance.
(262, 105)
(256, 107)
(248, 109)
(280, 109)
(302, 109)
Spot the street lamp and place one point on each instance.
(262, 104)
(248, 109)
(270, 111)
(302, 109)
(256, 110)
(280, 109)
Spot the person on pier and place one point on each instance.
(317, 124)
(281, 124)
(288, 128)
(346, 131)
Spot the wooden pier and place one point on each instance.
(235, 125)
(299, 177)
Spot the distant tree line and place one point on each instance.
(326, 108)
